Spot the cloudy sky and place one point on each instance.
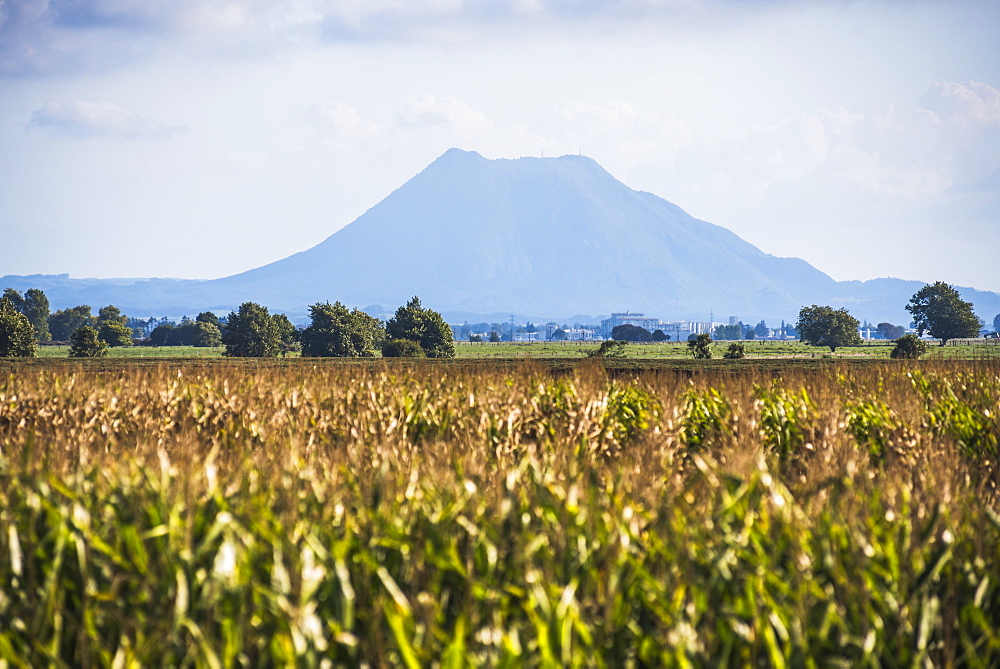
(199, 138)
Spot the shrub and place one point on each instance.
(700, 347)
(84, 343)
(402, 348)
(609, 349)
(908, 347)
(737, 351)
(114, 333)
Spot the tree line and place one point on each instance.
(336, 331)
(250, 331)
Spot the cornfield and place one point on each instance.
(324, 514)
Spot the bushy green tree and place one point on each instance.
(15, 298)
(111, 314)
(17, 337)
(252, 333)
(84, 343)
(737, 351)
(162, 335)
(115, 333)
(659, 335)
(996, 323)
(288, 335)
(761, 329)
(729, 332)
(889, 331)
(36, 308)
(209, 317)
(425, 326)
(494, 337)
(940, 310)
(559, 335)
(63, 323)
(908, 347)
(629, 332)
(112, 327)
(402, 348)
(335, 331)
(205, 334)
(826, 326)
(700, 347)
(609, 349)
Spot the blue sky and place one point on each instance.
(200, 138)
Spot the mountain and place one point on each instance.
(540, 237)
(536, 236)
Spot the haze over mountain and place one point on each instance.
(541, 237)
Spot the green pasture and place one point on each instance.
(756, 350)
(679, 350)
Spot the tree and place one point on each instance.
(729, 332)
(162, 334)
(560, 335)
(659, 335)
(494, 337)
(889, 331)
(939, 309)
(629, 332)
(15, 298)
(337, 332)
(206, 334)
(86, 344)
(288, 335)
(425, 326)
(824, 326)
(996, 323)
(17, 337)
(402, 348)
(63, 323)
(908, 347)
(761, 330)
(609, 349)
(252, 333)
(737, 351)
(700, 347)
(114, 333)
(208, 317)
(111, 314)
(36, 308)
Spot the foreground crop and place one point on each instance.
(235, 515)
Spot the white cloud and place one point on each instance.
(970, 102)
(337, 120)
(457, 116)
(73, 35)
(98, 119)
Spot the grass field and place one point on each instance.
(142, 352)
(679, 350)
(222, 513)
(576, 350)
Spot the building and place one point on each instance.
(628, 318)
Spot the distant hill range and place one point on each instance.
(543, 238)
